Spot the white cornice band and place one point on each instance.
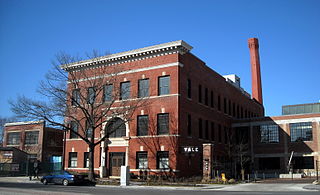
(132, 55)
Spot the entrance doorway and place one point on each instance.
(117, 159)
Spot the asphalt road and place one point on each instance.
(9, 188)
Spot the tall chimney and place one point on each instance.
(255, 70)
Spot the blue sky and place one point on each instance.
(32, 32)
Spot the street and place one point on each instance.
(11, 188)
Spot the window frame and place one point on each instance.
(18, 138)
(106, 96)
(27, 139)
(74, 125)
(125, 95)
(269, 133)
(140, 126)
(161, 157)
(163, 89)
(73, 163)
(91, 95)
(75, 98)
(160, 129)
(144, 159)
(143, 91)
(303, 128)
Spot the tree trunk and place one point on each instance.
(91, 174)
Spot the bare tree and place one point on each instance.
(241, 152)
(81, 99)
(3, 121)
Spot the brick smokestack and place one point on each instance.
(255, 70)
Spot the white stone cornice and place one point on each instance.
(132, 55)
(23, 123)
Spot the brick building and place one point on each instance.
(189, 105)
(38, 141)
(273, 140)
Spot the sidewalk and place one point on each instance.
(200, 187)
(23, 179)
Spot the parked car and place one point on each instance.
(62, 177)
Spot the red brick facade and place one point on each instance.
(48, 143)
(197, 95)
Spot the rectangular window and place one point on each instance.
(269, 163)
(206, 130)
(269, 134)
(163, 160)
(107, 93)
(88, 130)
(31, 137)
(164, 85)
(200, 93)
(74, 127)
(211, 99)
(163, 124)
(13, 138)
(75, 97)
(86, 159)
(238, 112)
(212, 131)
(241, 112)
(229, 106)
(200, 128)
(219, 103)
(143, 88)
(301, 131)
(303, 162)
(233, 109)
(189, 88)
(124, 90)
(143, 125)
(73, 159)
(189, 125)
(225, 105)
(91, 96)
(142, 160)
(219, 133)
(225, 135)
(206, 97)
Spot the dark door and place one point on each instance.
(117, 159)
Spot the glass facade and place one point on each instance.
(301, 109)
(269, 134)
(301, 131)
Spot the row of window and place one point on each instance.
(205, 133)
(125, 89)
(298, 132)
(116, 127)
(229, 107)
(14, 138)
(141, 160)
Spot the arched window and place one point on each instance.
(116, 128)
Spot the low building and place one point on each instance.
(280, 144)
(41, 143)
